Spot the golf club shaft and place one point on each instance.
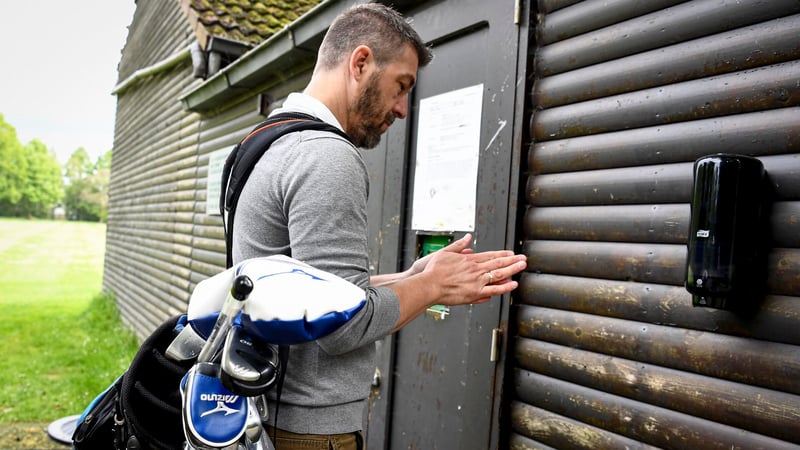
(230, 309)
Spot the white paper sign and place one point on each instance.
(216, 161)
(446, 173)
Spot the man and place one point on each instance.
(307, 198)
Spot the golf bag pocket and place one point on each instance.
(141, 409)
(96, 427)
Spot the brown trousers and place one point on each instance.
(285, 440)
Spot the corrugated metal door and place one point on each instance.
(438, 386)
(610, 352)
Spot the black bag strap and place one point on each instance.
(283, 356)
(240, 162)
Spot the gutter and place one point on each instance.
(160, 66)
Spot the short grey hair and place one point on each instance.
(379, 27)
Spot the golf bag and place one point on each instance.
(142, 408)
(199, 377)
(197, 382)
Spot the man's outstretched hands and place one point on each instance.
(454, 275)
(459, 276)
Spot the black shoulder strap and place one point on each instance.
(240, 162)
(283, 356)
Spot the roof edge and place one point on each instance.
(194, 21)
(257, 66)
(275, 59)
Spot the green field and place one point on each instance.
(60, 339)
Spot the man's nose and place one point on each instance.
(400, 109)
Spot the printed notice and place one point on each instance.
(216, 161)
(446, 173)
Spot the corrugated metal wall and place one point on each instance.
(220, 131)
(610, 352)
(152, 231)
(161, 242)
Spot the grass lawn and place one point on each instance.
(60, 339)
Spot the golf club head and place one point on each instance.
(257, 438)
(249, 367)
(213, 417)
(186, 345)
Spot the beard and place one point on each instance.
(367, 131)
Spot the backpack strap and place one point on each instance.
(283, 356)
(240, 162)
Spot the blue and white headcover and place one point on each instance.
(213, 416)
(291, 302)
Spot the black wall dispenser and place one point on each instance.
(725, 266)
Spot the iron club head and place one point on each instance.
(249, 366)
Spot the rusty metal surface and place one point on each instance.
(657, 184)
(757, 45)
(759, 133)
(610, 346)
(783, 268)
(776, 321)
(783, 173)
(646, 263)
(660, 224)
(723, 402)
(655, 223)
(669, 183)
(785, 224)
(679, 23)
(731, 358)
(638, 421)
(517, 441)
(745, 91)
(547, 6)
(565, 433)
(586, 16)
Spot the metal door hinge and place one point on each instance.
(494, 353)
(517, 11)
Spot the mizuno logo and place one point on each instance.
(226, 398)
(221, 407)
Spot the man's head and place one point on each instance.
(377, 26)
(378, 54)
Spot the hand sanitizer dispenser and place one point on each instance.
(726, 234)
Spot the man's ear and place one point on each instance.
(360, 59)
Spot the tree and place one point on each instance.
(102, 179)
(86, 194)
(30, 176)
(12, 169)
(43, 186)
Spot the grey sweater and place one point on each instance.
(307, 198)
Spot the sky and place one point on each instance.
(58, 66)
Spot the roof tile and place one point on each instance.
(249, 21)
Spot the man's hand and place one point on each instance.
(456, 275)
(459, 246)
(464, 278)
